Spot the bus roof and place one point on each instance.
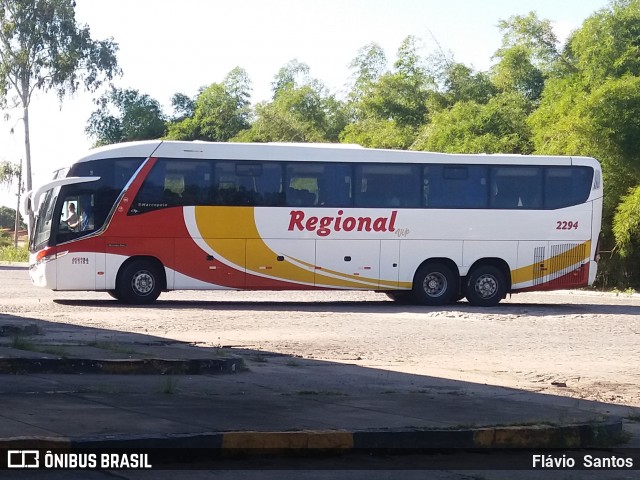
(326, 152)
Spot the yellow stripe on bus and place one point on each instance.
(552, 264)
(217, 225)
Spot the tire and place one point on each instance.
(434, 284)
(456, 298)
(139, 283)
(401, 297)
(113, 294)
(486, 286)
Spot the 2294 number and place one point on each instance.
(564, 225)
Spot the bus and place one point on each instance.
(433, 228)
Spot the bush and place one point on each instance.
(7, 251)
(11, 254)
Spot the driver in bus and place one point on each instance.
(72, 220)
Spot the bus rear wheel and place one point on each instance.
(486, 286)
(434, 284)
(113, 294)
(139, 283)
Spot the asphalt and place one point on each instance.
(63, 386)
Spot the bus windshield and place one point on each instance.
(44, 219)
(78, 209)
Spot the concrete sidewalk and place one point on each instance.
(63, 386)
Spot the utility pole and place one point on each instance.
(17, 220)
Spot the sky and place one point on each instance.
(171, 46)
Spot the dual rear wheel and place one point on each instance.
(436, 283)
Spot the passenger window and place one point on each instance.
(174, 183)
(248, 184)
(335, 185)
(566, 186)
(302, 184)
(387, 186)
(455, 186)
(515, 187)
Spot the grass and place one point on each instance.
(10, 254)
(322, 392)
(112, 347)
(20, 343)
(627, 291)
(169, 385)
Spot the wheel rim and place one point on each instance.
(486, 286)
(434, 284)
(143, 283)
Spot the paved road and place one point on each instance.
(575, 344)
(579, 344)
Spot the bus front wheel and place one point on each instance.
(139, 283)
(434, 284)
(486, 286)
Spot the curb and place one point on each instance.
(148, 366)
(190, 447)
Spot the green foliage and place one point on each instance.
(8, 217)
(43, 48)
(626, 223)
(8, 171)
(368, 66)
(125, 116)
(378, 133)
(461, 84)
(183, 107)
(536, 37)
(608, 44)
(499, 126)
(220, 112)
(388, 108)
(516, 73)
(301, 111)
(557, 124)
(10, 254)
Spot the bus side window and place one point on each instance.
(334, 186)
(455, 186)
(388, 186)
(302, 184)
(515, 187)
(566, 186)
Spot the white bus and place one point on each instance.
(156, 216)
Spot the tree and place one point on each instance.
(538, 38)
(8, 216)
(594, 110)
(124, 116)
(43, 48)
(301, 110)
(606, 46)
(183, 107)
(388, 108)
(459, 83)
(529, 54)
(220, 112)
(499, 126)
(626, 223)
(8, 173)
(368, 66)
(516, 73)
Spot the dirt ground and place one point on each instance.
(579, 344)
